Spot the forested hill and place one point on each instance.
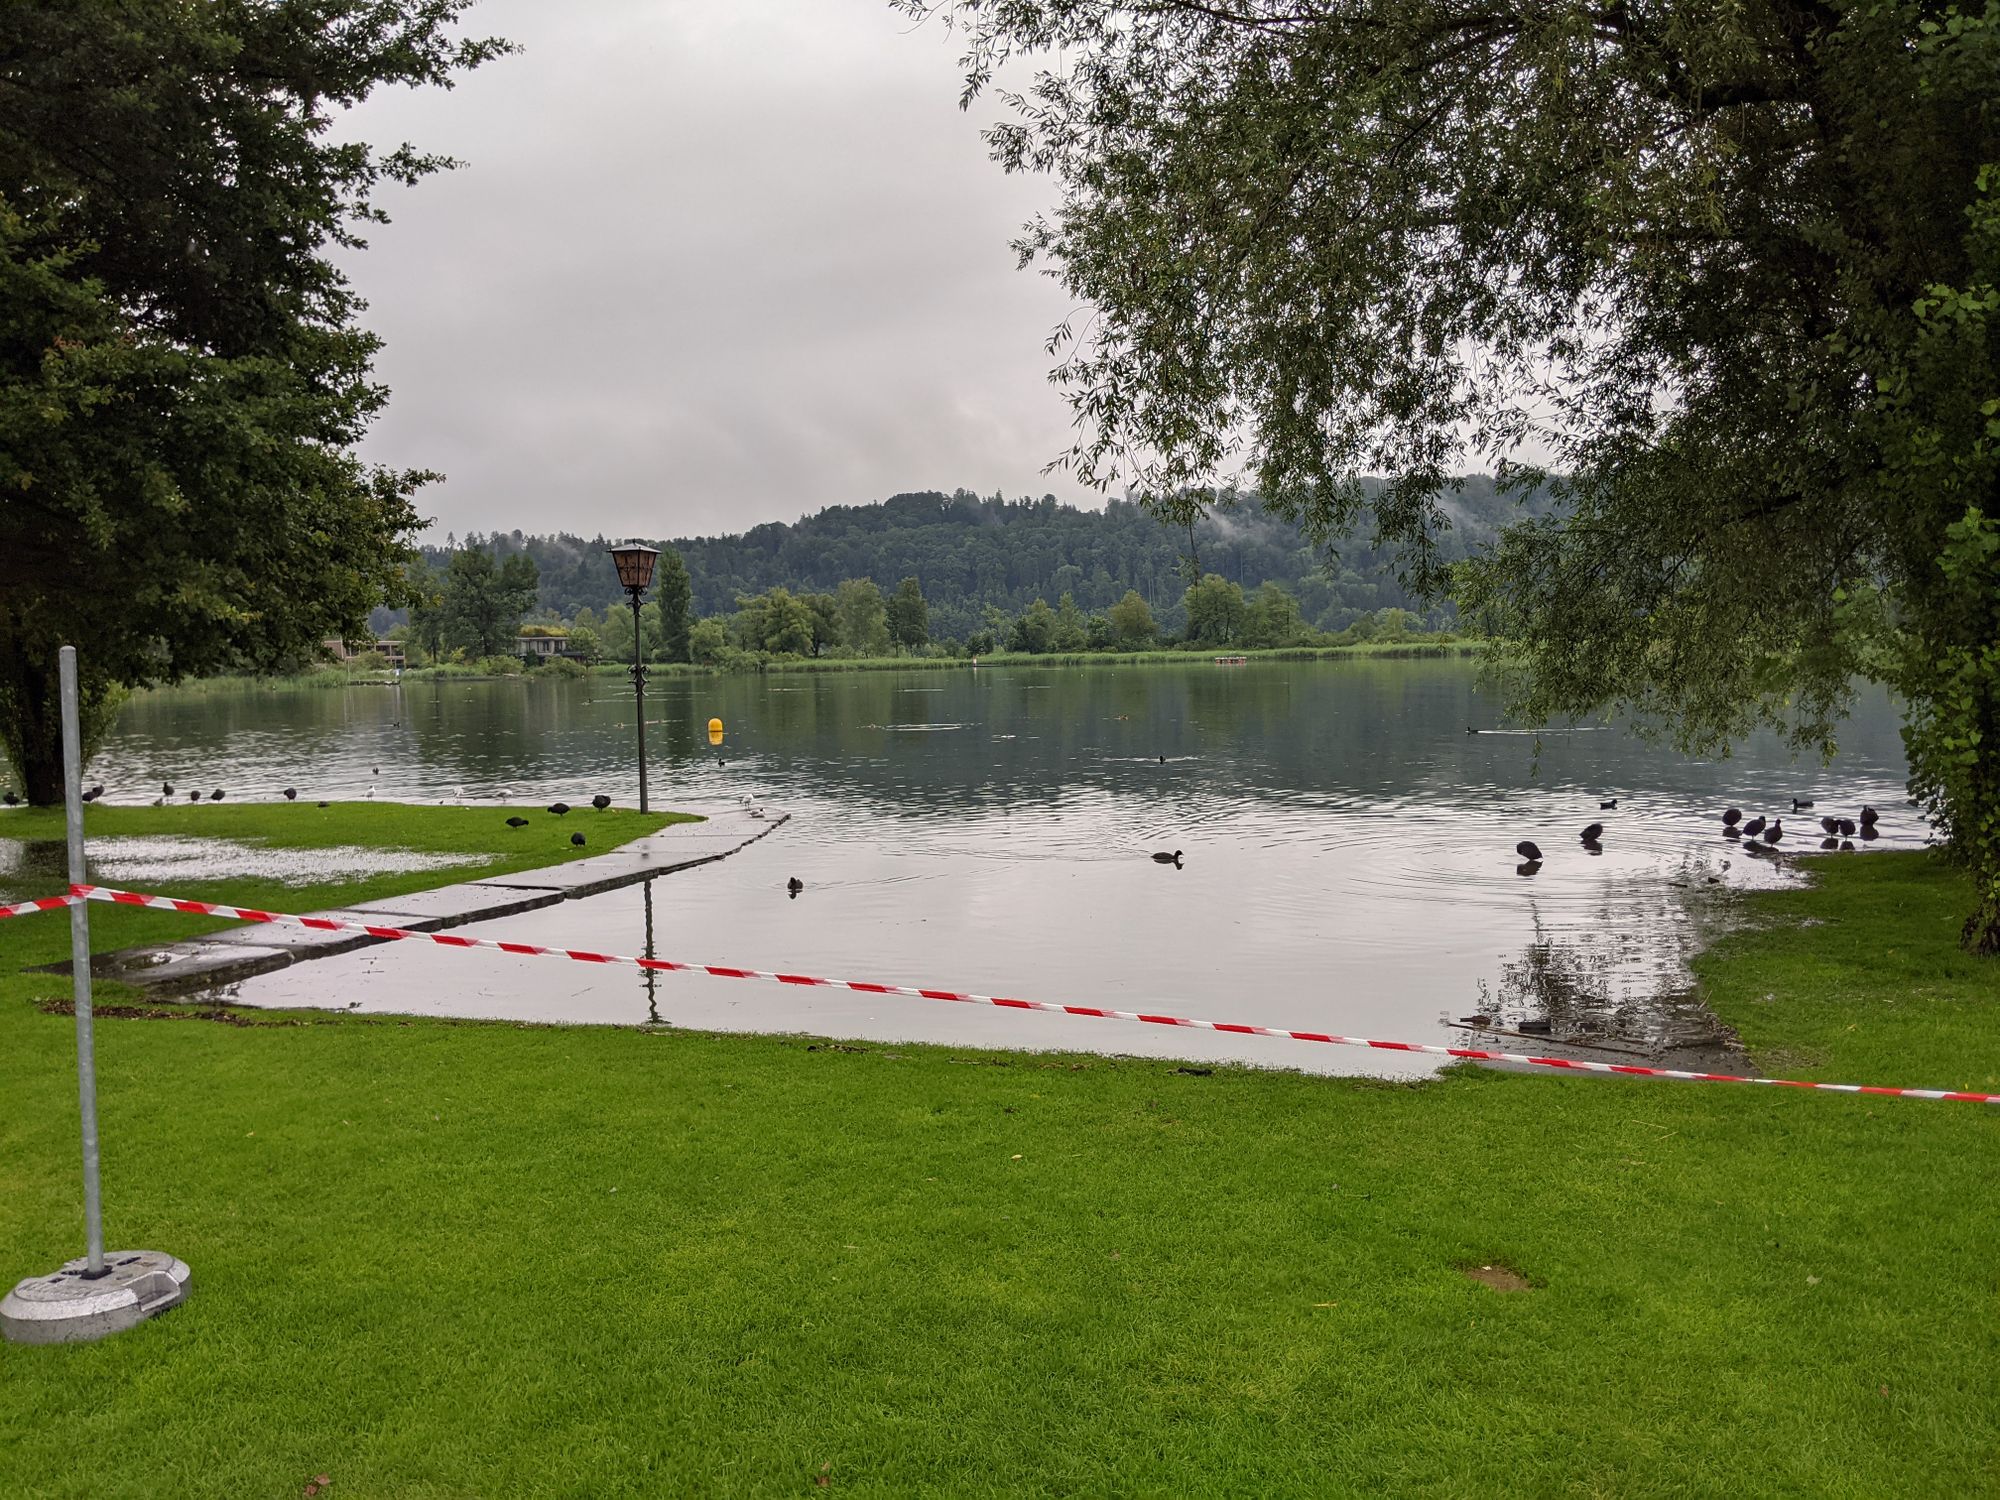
(970, 552)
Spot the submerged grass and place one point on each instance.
(453, 1259)
(479, 834)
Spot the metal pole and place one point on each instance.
(79, 958)
(639, 693)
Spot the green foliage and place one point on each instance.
(1272, 619)
(1952, 731)
(586, 645)
(908, 616)
(1072, 632)
(977, 555)
(1132, 621)
(673, 596)
(1215, 611)
(1035, 631)
(826, 626)
(1734, 268)
(484, 601)
(864, 620)
(183, 379)
(776, 621)
(707, 641)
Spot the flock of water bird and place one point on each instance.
(1760, 835)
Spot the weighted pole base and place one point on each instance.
(68, 1308)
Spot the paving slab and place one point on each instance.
(304, 942)
(217, 959)
(197, 964)
(453, 905)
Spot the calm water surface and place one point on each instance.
(1348, 848)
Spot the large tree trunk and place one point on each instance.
(1982, 930)
(32, 713)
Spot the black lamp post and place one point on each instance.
(635, 576)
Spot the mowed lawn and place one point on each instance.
(452, 1259)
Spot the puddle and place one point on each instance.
(167, 860)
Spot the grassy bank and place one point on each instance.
(480, 835)
(439, 1259)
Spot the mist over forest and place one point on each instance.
(972, 554)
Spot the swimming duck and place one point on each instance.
(1173, 859)
(1529, 850)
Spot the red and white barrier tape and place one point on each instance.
(40, 903)
(1231, 1028)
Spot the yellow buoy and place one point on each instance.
(715, 731)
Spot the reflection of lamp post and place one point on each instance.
(635, 575)
(652, 975)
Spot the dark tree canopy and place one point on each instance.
(484, 601)
(1726, 270)
(183, 379)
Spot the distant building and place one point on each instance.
(339, 650)
(542, 642)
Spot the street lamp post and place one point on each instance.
(635, 576)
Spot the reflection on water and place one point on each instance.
(34, 865)
(1349, 848)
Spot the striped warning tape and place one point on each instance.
(40, 903)
(1231, 1028)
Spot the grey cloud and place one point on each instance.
(708, 264)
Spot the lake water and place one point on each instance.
(1348, 849)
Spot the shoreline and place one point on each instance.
(332, 678)
(1060, 1265)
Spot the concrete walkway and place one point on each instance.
(219, 958)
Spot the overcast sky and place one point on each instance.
(707, 264)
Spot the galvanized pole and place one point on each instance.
(79, 957)
(639, 693)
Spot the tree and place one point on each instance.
(1272, 619)
(425, 592)
(777, 621)
(586, 645)
(616, 634)
(484, 603)
(707, 640)
(1072, 632)
(674, 595)
(1215, 611)
(1730, 267)
(183, 378)
(863, 619)
(1035, 630)
(1132, 620)
(908, 617)
(825, 609)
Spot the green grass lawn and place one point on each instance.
(455, 1259)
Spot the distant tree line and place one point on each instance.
(474, 608)
(971, 568)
